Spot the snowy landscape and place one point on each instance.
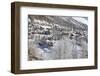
(57, 37)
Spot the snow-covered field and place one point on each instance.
(62, 49)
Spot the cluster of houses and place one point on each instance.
(51, 31)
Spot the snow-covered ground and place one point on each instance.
(62, 49)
